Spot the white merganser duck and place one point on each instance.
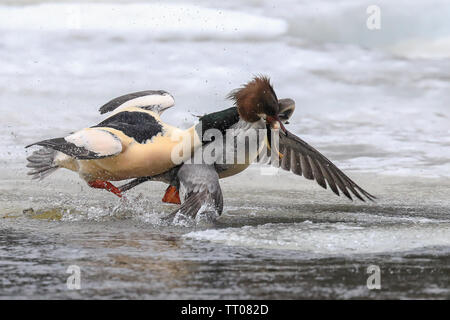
(132, 142)
(256, 107)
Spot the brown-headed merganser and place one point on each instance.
(256, 107)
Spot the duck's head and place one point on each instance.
(257, 100)
(287, 108)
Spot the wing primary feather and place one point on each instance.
(368, 195)
(307, 161)
(296, 165)
(317, 173)
(349, 185)
(60, 144)
(306, 168)
(193, 204)
(40, 170)
(329, 179)
(286, 160)
(340, 184)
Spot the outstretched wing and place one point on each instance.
(90, 143)
(153, 100)
(200, 189)
(304, 160)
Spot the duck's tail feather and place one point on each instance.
(42, 163)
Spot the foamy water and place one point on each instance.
(331, 238)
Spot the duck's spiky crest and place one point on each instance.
(252, 98)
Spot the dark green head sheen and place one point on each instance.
(220, 120)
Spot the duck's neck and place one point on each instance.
(226, 119)
(220, 120)
(244, 125)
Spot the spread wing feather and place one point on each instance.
(302, 159)
(153, 100)
(85, 144)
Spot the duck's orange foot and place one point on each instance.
(100, 184)
(171, 195)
